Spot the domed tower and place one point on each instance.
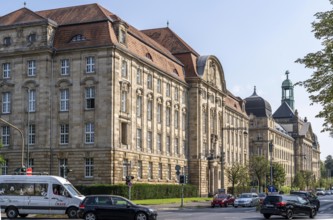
(288, 92)
(257, 106)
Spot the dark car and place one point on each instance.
(113, 207)
(222, 200)
(309, 196)
(287, 206)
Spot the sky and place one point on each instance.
(256, 41)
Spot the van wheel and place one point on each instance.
(23, 215)
(72, 212)
(90, 216)
(12, 212)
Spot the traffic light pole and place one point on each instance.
(182, 200)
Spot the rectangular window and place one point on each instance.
(5, 136)
(32, 68)
(89, 167)
(62, 165)
(169, 171)
(32, 134)
(123, 101)
(159, 143)
(124, 133)
(31, 100)
(90, 64)
(64, 67)
(139, 169)
(160, 171)
(149, 110)
(138, 76)
(89, 133)
(4, 167)
(176, 119)
(168, 145)
(64, 100)
(184, 97)
(64, 134)
(150, 81)
(176, 146)
(139, 139)
(184, 148)
(168, 90)
(184, 122)
(176, 94)
(6, 102)
(6, 70)
(159, 85)
(168, 116)
(31, 162)
(139, 106)
(90, 98)
(159, 113)
(125, 168)
(149, 141)
(150, 170)
(124, 69)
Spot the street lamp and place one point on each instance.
(22, 136)
(271, 145)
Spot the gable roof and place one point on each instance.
(21, 16)
(284, 111)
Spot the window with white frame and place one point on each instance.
(64, 100)
(123, 101)
(184, 122)
(184, 97)
(64, 67)
(4, 167)
(62, 164)
(168, 148)
(89, 133)
(6, 102)
(150, 81)
(64, 134)
(90, 98)
(169, 171)
(150, 170)
(31, 100)
(160, 171)
(139, 174)
(168, 89)
(139, 106)
(139, 139)
(159, 143)
(124, 72)
(168, 116)
(176, 146)
(89, 167)
(5, 136)
(149, 141)
(138, 76)
(176, 119)
(32, 68)
(159, 85)
(176, 94)
(6, 70)
(122, 37)
(90, 64)
(32, 134)
(159, 113)
(125, 168)
(149, 110)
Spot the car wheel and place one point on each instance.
(23, 215)
(90, 216)
(213, 206)
(141, 216)
(267, 216)
(72, 212)
(225, 204)
(289, 214)
(235, 206)
(312, 213)
(12, 212)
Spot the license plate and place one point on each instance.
(269, 206)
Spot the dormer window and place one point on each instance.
(7, 41)
(122, 36)
(175, 72)
(78, 37)
(149, 56)
(32, 38)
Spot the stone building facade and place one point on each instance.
(93, 94)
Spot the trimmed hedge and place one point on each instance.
(141, 190)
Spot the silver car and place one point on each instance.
(247, 200)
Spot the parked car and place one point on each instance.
(309, 196)
(320, 193)
(222, 200)
(262, 196)
(287, 206)
(328, 192)
(100, 207)
(247, 199)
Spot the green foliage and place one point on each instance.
(234, 174)
(299, 181)
(258, 167)
(320, 84)
(141, 190)
(279, 175)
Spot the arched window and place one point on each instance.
(148, 55)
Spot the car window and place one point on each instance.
(302, 201)
(119, 201)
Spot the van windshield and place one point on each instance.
(73, 191)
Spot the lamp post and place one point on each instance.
(271, 145)
(22, 136)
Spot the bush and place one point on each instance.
(141, 190)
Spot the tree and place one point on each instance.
(329, 165)
(258, 166)
(320, 84)
(308, 178)
(299, 181)
(279, 175)
(233, 174)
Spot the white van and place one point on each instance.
(21, 195)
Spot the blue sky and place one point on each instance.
(256, 41)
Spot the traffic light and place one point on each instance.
(23, 170)
(182, 179)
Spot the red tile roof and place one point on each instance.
(21, 16)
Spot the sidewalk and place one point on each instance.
(177, 206)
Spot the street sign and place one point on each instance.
(271, 189)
